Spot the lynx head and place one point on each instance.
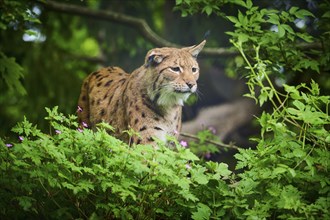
(172, 74)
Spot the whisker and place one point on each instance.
(199, 94)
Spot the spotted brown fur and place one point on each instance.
(149, 100)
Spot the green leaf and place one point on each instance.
(203, 212)
(249, 4)
(288, 28)
(302, 13)
(279, 170)
(188, 155)
(178, 2)
(299, 153)
(208, 9)
(31, 32)
(327, 139)
(12, 73)
(273, 19)
(232, 19)
(25, 202)
(198, 175)
(299, 105)
(306, 37)
(326, 15)
(105, 126)
(292, 172)
(289, 198)
(222, 169)
(243, 37)
(94, 216)
(281, 31)
(262, 98)
(184, 14)
(315, 88)
(293, 10)
(242, 19)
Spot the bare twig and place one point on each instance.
(230, 146)
(137, 23)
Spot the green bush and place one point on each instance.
(73, 173)
(86, 174)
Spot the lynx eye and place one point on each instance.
(194, 69)
(175, 69)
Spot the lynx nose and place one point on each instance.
(192, 86)
(189, 84)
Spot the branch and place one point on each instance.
(230, 146)
(95, 60)
(140, 24)
(137, 23)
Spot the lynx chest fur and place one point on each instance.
(149, 100)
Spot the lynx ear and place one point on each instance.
(194, 50)
(153, 59)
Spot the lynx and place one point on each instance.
(149, 100)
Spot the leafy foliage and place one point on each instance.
(202, 147)
(77, 173)
(73, 173)
(11, 73)
(286, 176)
(16, 14)
(47, 71)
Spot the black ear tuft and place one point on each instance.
(150, 60)
(207, 34)
(153, 60)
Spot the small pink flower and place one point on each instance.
(80, 130)
(176, 132)
(188, 166)
(212, 129)
(79, 109)
(84, 124)
(58, 132)
(207, 155)
(20, 138)
(9, 145)
(184, 143)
